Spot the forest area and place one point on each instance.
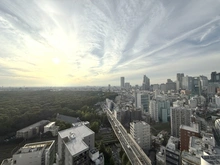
(19, 109)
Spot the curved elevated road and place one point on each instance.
(134, 152)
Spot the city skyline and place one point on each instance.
(79, 43)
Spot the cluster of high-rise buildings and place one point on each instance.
(190, 104)
(195, 85)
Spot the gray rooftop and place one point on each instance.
(40, 123)
(67, 119)
(212, 159)
(8, 161)
(191, 158)
(34, 147)
(73, 138)
(189, 128)
(172, 143)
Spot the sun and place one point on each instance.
(56, 60)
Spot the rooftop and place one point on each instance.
(140, 122)
(172, 143)
(33, 147)
(8, 161)
(199, 146)
(67, 119)
(80, 123)
(42, 122)
(50, 124)
(195, 142)
(73, 138)
(94, 150)
(188, 128)
(190, 158)
(213, 159)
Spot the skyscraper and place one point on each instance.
(122, 82)
(142, 101)
(179, 77)
(187, 82)
(215, 77)
(159, 110)
(153, 110)
(146, 83)
(203, 81)
(170, 85)
(127, 86)
(179, 116)
(163, 107)
(196, 88)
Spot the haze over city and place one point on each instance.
(72, 43)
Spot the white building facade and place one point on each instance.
(153, 110)
(217, 100)
(179, 116)
(140, 131)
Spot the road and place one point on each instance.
(134, 152)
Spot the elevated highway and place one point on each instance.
(133, 151)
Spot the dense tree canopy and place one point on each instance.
(19, 109)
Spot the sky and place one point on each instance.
(95, 42)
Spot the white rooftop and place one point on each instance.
(192, 129)
(49, 124)
(73, 138)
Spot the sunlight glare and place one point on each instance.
(56, 60)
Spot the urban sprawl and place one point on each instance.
(177, 122)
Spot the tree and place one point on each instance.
(112, 162)
(95, 126)
(124, 159)
(121, 152)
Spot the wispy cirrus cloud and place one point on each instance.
(96, 42)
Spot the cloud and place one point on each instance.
(97, 42)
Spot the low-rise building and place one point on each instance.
(193, 102)
(172, 151)
(32, 130)
(189, 159)
(51, 127)
(67, 119)
(161, 156)
(96, 157)
(203, 146)
(35, 154)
